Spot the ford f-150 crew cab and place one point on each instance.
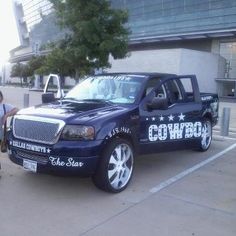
(99, 127)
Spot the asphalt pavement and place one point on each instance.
(178, 193)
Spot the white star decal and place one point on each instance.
(171, 118)
(48, 150)
(181, 117)
(161, 118)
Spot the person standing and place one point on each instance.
(6, 110)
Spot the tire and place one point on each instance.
(115, 169)
(206, 136)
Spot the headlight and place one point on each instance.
(78, 132)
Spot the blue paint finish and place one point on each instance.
(148, 130)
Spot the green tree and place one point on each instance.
(34, 64)
(23, 71)
(20, 70)
(94, 31)
(56, 62)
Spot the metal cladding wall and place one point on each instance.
(147, 18)
(154, 24)
(46, 31)
(34, 11)
(151, 18)
(167, 17)
(206, 66)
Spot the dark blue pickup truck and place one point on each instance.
(99, 127)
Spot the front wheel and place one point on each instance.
(206, 135)
(116, 166)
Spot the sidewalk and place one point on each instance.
(232, 122)
(15, 96)
(203, 203)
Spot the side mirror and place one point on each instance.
(158, 104)
(48, 97)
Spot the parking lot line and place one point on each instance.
(181, 175)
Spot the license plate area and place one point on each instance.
(30, 165)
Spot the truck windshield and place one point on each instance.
(115, 89)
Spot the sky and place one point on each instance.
(8, 31)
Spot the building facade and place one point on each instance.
(207, 26)
(30, 16)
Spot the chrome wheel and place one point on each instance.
(115, 168)
(206, 135)
(120, 166)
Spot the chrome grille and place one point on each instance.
(37, 129)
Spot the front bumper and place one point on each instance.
(65, 157)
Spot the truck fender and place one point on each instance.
(111, 132)
(207, 115)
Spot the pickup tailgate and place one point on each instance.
(210, 102)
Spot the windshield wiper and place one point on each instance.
(70, 98)
(103, 101)
(98, 101)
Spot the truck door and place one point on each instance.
(49, 95)
(170, 115)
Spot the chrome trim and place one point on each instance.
(60, 124)
(41, 159)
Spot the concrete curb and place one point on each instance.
(222, 138)
(231, 129)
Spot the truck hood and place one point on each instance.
(73, 112)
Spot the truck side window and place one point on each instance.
(150, 86)
(160, 92)
(188, 89)
(174, 91)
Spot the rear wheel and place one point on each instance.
(116, 166)
(206, 135)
